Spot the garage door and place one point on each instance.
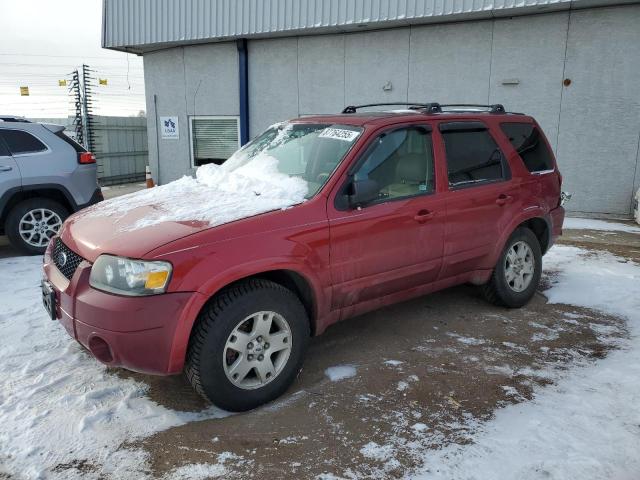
(600, 109)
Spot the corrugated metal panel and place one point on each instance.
(139, 24)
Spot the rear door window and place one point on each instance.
(530, 145)
(473, 157)
(20, 142)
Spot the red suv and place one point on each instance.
(396, 205)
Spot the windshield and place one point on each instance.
(307, 151)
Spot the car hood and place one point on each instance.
(91, 236)
(133, 225)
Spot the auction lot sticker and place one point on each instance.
(339, 134)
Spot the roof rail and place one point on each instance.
(433, 107)
(6, 118)
(411, 105)
(493, 108)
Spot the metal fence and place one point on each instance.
(121, 147)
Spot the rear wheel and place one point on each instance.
(33, 222)
(248, 345)
(517, 273)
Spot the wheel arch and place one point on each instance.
(13, 197)
(299, 283)
(536, 220)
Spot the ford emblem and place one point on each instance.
(62, 259)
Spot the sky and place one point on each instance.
(43, 41)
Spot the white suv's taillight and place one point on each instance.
(86, 158)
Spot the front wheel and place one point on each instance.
(248, 345)
(517, 273)
(32, 223)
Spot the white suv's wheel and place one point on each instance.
(32, 223)
(247, 345)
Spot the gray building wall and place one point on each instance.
(593, 124)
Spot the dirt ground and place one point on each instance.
(424, 369)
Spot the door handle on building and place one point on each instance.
(424, 215)
(5, 168)
(504, 199)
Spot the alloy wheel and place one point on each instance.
(257, 350)
(38, 226)
(519, 266)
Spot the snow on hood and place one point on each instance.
(218, 194)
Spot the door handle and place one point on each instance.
(423, 216)
(504, 199)
(5, 168)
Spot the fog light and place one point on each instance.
(100, 349)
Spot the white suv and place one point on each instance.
(44, 177)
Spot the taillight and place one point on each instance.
(86, 157)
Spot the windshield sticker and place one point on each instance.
(339, 134)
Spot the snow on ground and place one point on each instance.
(340, 372)
(587, 425)
(219, 194)
(593, 224)
(57, 403)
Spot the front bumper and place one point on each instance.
(144, 334)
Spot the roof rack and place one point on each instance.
(468, 107)
(433, 107)
(411, 105)
(6, 118)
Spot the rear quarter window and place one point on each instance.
(21, 143)
(75, 145)
(530, 145)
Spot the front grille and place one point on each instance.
(65, 259)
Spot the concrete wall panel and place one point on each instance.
(450, 63)
(273, 82)
(600, 116)
(321, 74)
(530, 51)
(211, 77)
(165, 77)
(372, 60)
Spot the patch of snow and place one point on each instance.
(547, 335)
(402, 386)
(374, 451)
(218, 194)
(340, 372)
(510, 391)
(199, 471)
(466, 340)
(393, 363)
(419, 427)
(57, 403)
(585, 426)
(571, 223)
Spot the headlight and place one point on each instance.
(129, 277)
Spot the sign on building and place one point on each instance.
(169, 127)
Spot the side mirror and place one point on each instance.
(363, 191)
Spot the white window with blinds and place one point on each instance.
(213, 139)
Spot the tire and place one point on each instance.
(501, 288)
(35, 207)
(211, 356)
